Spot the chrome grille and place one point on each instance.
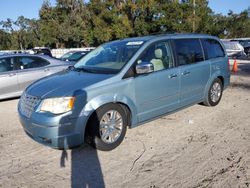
(28, 104)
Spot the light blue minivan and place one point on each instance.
(122, 84)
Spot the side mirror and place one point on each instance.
(144, 68)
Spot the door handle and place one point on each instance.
(45, 70)
(172, 76)
(12, 74)
(217, 67)
(185, 73)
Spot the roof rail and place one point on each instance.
(162, 33)
(177, 33)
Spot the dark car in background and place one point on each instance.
(74, 56)
(42, 51)
(17, 71)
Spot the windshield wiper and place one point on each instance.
(83, 69)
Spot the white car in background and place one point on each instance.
(234, 49)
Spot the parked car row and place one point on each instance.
(72, 56)
(36, 50)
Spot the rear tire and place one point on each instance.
(107, 127)
(214, 93)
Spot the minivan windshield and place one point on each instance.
(109, 58)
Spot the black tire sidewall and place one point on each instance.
(210, 102)
(94, 129)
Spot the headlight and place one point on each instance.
(57, 105)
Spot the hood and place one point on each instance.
(64, 83)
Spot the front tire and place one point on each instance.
(107, 127)
(214, 93)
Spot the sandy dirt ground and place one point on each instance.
(196, 147)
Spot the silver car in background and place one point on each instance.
(18, 71)
(234, 49)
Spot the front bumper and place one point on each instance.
(60, 132)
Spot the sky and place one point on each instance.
(223, 6)
(14, 8)
(30, 8)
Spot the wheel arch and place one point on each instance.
(211, 79)
(208, 85)
(126, 103)
(222, 80)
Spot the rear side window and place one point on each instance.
(188, 51)
(213, 49)
(32, 62)
(6, 65)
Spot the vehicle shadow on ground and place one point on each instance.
(9, 99)
(240, 85)
(243, 70)
(85, 167)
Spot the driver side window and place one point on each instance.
(159, 54)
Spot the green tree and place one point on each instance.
(75, 23)
(238, 25)
(20, 32)
(5, 39)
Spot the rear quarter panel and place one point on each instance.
(219, 68)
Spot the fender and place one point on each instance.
(101, 100)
